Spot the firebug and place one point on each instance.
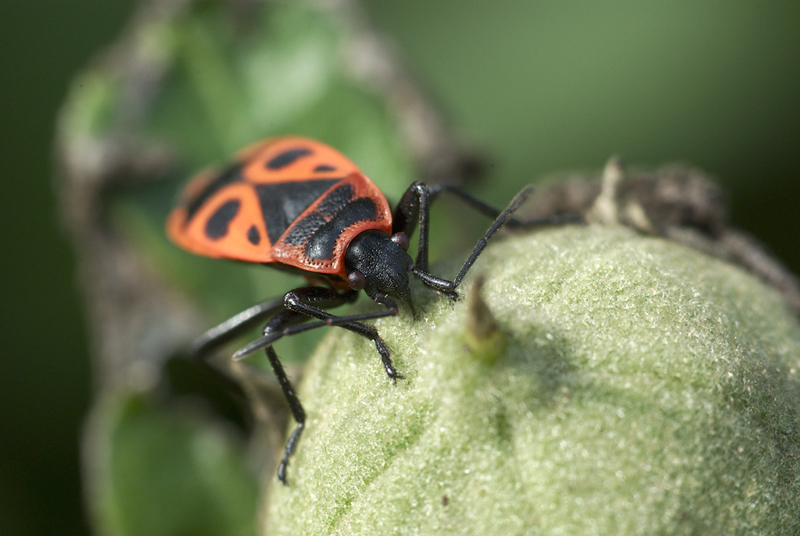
(298, 205)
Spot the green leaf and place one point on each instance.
(167, 471)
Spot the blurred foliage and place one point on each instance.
(45, 367)
(196, 480)
(547, 87)
(542, 86)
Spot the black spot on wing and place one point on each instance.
(253, 236)
(231, 175)
(217, 224)
(283, 202)
(304, 229)
(336, 199)
(324, 167)
(320, 246)
(286, 158)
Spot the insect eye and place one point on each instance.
(401, 239)
(356, 280)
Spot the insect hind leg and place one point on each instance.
(300, 305)
(236, 325)
(279, 324)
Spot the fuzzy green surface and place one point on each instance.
(645, 389)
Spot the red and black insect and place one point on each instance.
(298, 205)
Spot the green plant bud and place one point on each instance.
(645, 388)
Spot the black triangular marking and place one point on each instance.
(231, 175)
(283, 202)
(286, 158)
(217, 224)
(253, 236)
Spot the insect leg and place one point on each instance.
(298, 308)
(415, 206)
(309, 301)
(408, 208)
(297, 302)
(413, 209)
(277, 323)
(282, 319)
(235, 325)
(492, 212)
(501, 219)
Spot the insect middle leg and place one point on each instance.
(309, 302)
(299, 301)
(278, 323)
(301, 305)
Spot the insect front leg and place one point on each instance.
(412, 210)
(415, 207)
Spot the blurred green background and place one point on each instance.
(540, 86)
